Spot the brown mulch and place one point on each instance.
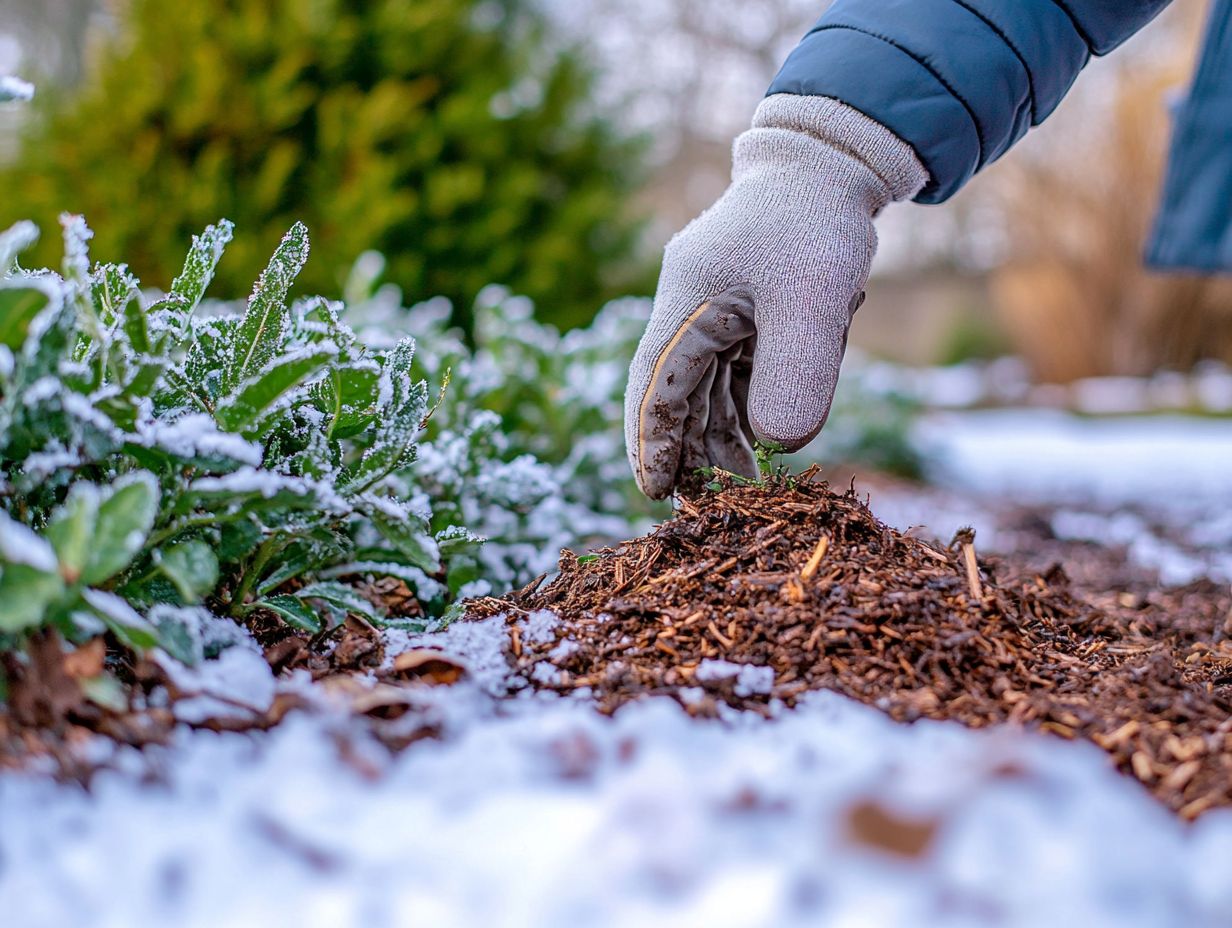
(52, 714)
(808, 582)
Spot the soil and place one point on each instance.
(792, 576)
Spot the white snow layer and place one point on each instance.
(14, 88)
(1049, 456)
(539, 812)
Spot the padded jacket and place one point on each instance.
(962, 80)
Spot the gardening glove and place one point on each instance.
(756, 295)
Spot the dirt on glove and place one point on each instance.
(807, 585)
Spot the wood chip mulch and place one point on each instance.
(808, 582)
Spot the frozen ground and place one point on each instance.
(537, 812)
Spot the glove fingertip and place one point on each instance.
(790, 432)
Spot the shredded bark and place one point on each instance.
(804, 581)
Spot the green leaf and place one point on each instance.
(136, 326)
(302, 556)
(400, 414)
(454, 613)
(106, 691)
(348, 395)
(262, 332)
(177, 633)
(457, 538)
(255, 395)
(292, 611)
(141, 375)
(76, 262)
(341, 595)
(410, 536)
(128, 625)
(206, 359)
(25, 594)
(202, 261)
(20, 302)
(192, 566)
(47, 342)
(125, 516)
(113, 289)
(71, 530)
(238, 540)
(252, 491)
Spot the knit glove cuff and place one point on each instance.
(802, 133)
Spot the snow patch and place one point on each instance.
(749, 679)
(14, 88)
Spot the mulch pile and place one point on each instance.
(806, 581)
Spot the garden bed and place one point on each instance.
(755, 593)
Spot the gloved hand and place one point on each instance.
(756, 295)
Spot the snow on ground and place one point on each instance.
(1047, 455)
(1160, 485)
(546, 814)
(538, 812)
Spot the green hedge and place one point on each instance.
(451, 135)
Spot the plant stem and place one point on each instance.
(175, 528)
(268, 549)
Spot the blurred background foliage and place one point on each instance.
(514, 141)
(457, 137)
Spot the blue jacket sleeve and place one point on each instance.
(959, 80)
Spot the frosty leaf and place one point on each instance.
(261, 391)
(25, 594)
(14, 240)
(77, 235)
(71, 529)
(124, 518)
(303, 556)
(410, 626)
(401, 406)
(348, 395)
(294, 612)
(206, 360)
(316, 319)
(339, 594)
(125, 622)
(199, 266)
(106, 691)
(20, 545)
(457, 538)
(140, 375)
(179, 632)
(196, 438)
(19, 304)
(112, 288)
(192, 566)
(136, 326)
(238, 540)
(168, 322)
(250, 489)
(29, 581)
(47, 342)
(410, 537)
(262, 332)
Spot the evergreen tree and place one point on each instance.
(452, 135)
